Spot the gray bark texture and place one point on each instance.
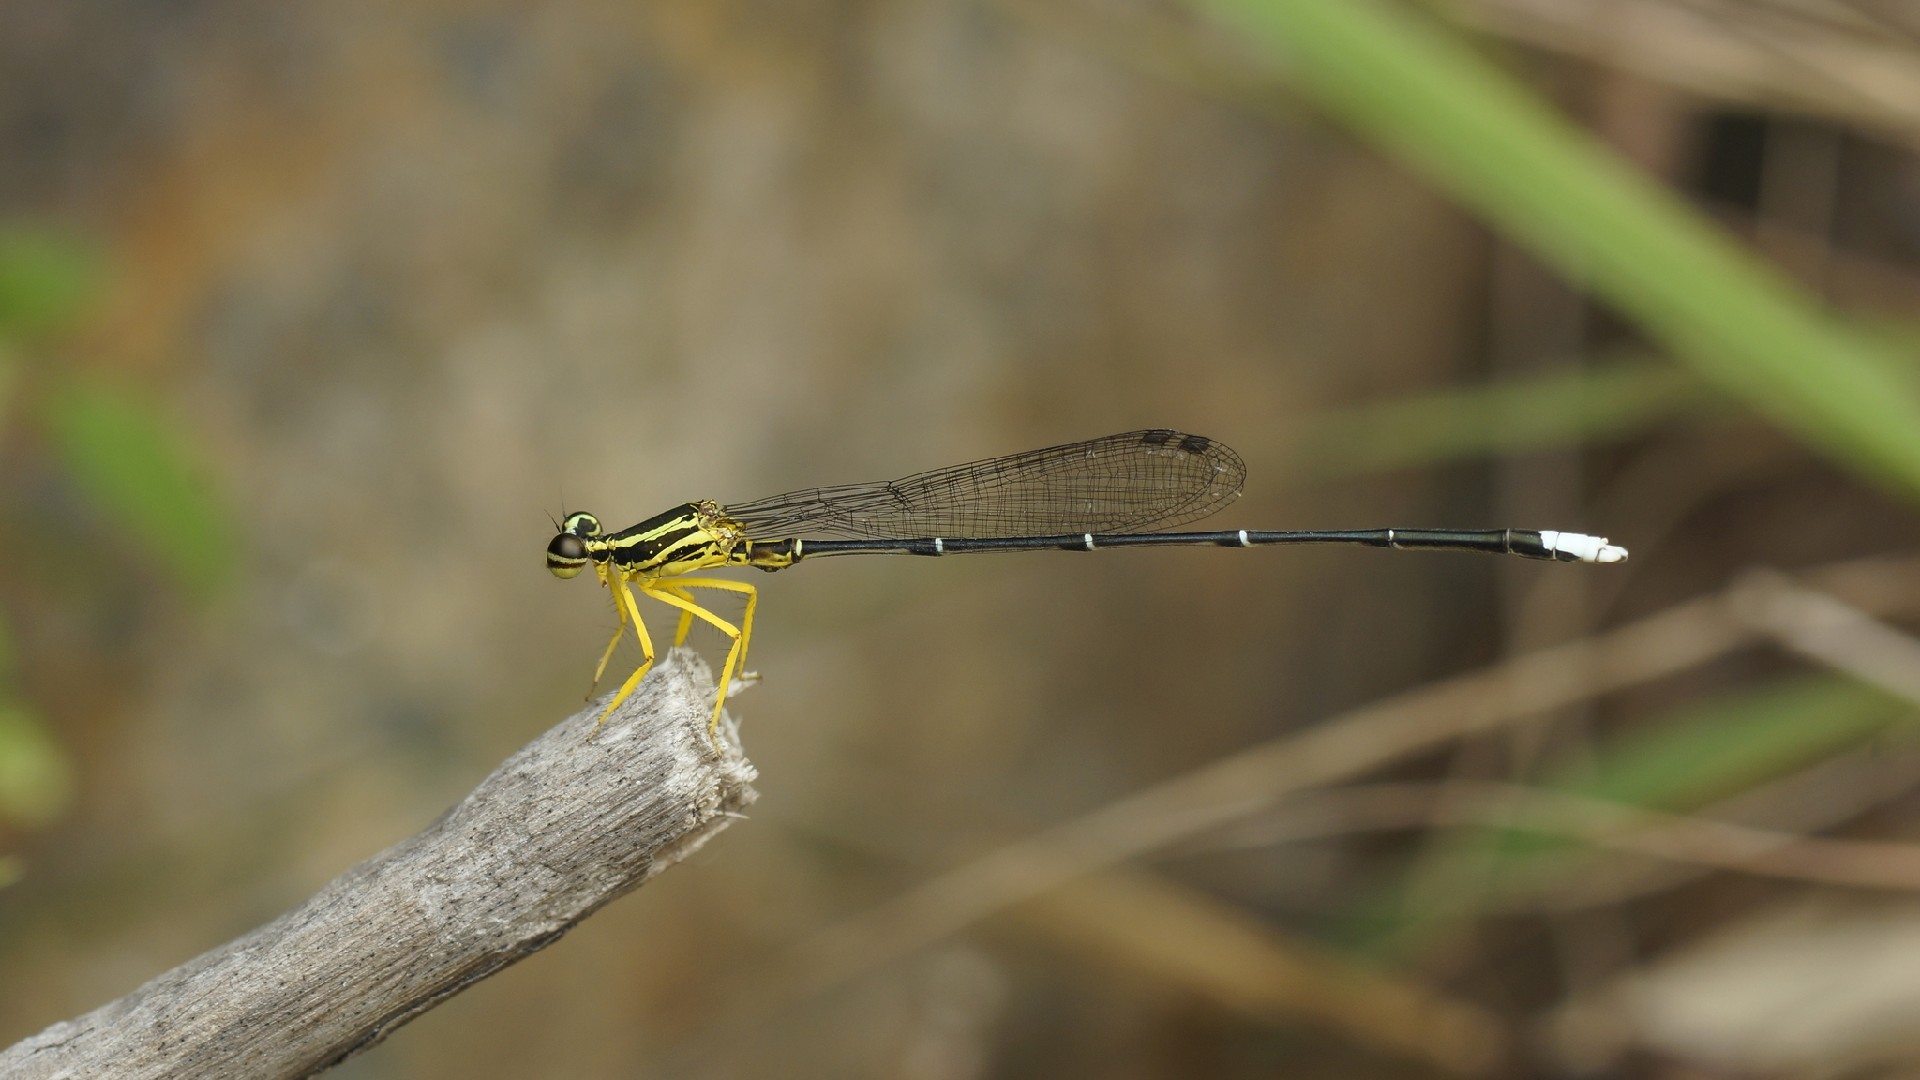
(563, 826)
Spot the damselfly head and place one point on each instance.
(567, 553)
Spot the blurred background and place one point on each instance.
(312, 314)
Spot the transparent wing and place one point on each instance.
(1133, 482)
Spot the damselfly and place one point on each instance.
(1102, 493)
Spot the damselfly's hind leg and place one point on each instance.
(746, 619)
(675, 595)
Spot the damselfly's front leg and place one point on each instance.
(609, 580)
(624, 595)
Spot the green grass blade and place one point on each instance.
(1443, 111)
(1676, 762)
(1511, 416)
(131, 461)
(46, 280)
(36, 780)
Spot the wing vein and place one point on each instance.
(1137, 481)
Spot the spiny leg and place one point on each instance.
(746, 619)
(674, 595)
(620, 610)
(686, 620)
(686, 617)
(621, 594)
(736, 664)
(678, 588)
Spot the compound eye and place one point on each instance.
(566, 555)
(581, 525)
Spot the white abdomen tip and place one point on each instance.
(1583, 547)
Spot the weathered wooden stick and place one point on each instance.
(559, 829)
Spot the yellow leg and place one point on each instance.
(679, 587)
(675, 596)
(606, 656)
(622, 594)
(618, 609)
(736, 666)
(722, 584)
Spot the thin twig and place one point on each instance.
(1820, 796)
(1148, 923)
(559, 829)
(1826, 629)
(1603, 823)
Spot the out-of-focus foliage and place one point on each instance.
(1678, 761)
(1719, 747)
(1453, 117)
(36, 780)
(144, 494)
(1516, 416)
(129, 461)
(419, 270)
(47, 280)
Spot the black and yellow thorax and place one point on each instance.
(692, 536)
